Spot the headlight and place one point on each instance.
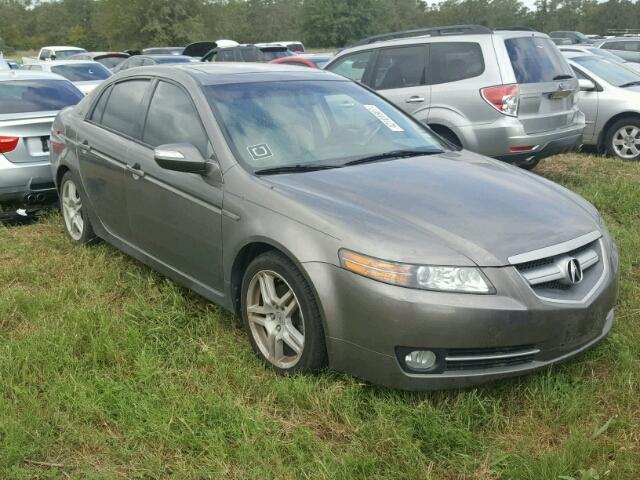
(425, 277)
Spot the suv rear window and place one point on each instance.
(23, 96)
(453, 61)
(536, 60)
(82, 72)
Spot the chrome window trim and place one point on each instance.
(554, 250)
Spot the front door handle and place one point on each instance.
(135, 170)
(85, 145)
(415, 99)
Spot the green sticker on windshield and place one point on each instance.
(380, 115)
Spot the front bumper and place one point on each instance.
(18, 180)
(368, 322)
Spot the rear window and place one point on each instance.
(536, 60)
(83, 72)
(24, 96)
(111, 62)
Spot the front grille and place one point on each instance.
(460, 359)
(549, 277)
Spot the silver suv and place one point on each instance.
(507, 94)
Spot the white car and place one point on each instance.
(85, 75)
(58, 52)
(589, 50)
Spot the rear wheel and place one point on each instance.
(623, 139)
(76, 221)
(281, 315)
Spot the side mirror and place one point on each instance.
(180, 157)
(586, 85)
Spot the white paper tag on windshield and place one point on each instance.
(380, 115)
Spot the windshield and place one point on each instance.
(82, 72)
(536, 59)
(606, 54)
(23, 96)
(173, 60)
(291, 123)
(64, 54)
(611, 72)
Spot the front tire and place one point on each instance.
(281, 315)
(623, 139)
(76, 220)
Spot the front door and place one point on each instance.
(175, 217)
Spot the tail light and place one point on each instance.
(8, 144)
(504, 98)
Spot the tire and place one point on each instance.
(623, 139)
(288, 338)
(77, 224)
(530, 165)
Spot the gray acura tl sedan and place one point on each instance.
(342, 231)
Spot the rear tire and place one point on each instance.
(77, 224)
(623, 139)
(281, 315)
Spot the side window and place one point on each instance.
(632, 46)
(36, 67)
(400, 67)
(352, 66)
(453, 61)
(45, 54)
(147, 61)
(578, 73)
(98, 110)
(613, 46)
(172, 118)
(225, 56)
(123, 109)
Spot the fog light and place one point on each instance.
(420, 359)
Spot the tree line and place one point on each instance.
(122, 24)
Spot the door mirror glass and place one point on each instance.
(586, 85)
(180, 157)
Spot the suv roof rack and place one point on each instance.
(432, 31)
(515, 29)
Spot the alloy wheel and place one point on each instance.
(72, 210)
(626, 142)
(275, 319)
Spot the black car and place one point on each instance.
(247, 53)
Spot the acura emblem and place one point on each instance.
(574, 271)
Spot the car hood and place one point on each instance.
(451, 208)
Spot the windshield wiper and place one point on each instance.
(391, 155)
(562, 77)
(630, 84)
(294, 169)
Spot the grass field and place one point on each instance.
(108, 370)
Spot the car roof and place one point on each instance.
(28, 75)
(220, 73)
(160, 56)
(62, 47)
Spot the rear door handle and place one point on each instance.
(415, 99)
(135, 170)
(85, 145)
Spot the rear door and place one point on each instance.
(400, 75)
(104, 139)
(548, 87)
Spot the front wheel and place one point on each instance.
(623, 139)
(76, 221)
(281, 315)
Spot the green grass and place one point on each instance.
(108, 370)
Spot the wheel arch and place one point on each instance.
(605, 128)
(447, 132)
(247, 253)
(60, 172)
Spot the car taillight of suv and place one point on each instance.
(504, 98)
